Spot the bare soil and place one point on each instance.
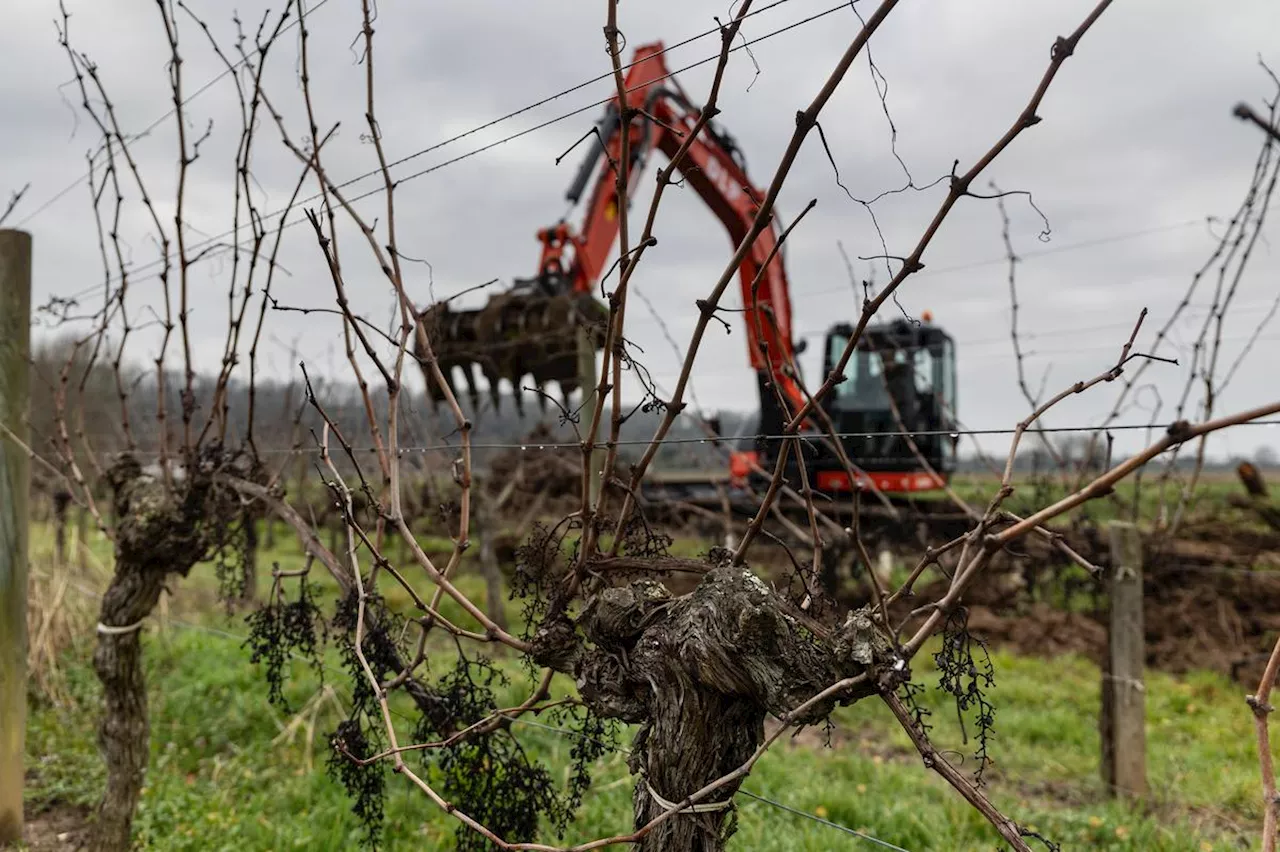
(56, 827)
(1212, 601)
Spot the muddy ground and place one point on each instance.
(1211, 601)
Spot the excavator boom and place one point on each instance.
(532, 330)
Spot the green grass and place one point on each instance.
(217, 781)
(1033, 493)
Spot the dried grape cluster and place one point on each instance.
(489, 774)
(235, 548)
(966, 676)
(281, 629)
(485, 772)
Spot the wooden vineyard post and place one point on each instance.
(488, 514)
(15, 480)
(587, 381)
(1123, 716)
(82, 538)
(1259, 496)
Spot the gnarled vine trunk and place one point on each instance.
(124, 730)
(161, 529)
(694, 740)
(701, 672)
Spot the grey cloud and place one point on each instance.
(1136, 135)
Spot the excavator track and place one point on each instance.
(523, 336)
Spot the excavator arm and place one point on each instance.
(662, 118)
(532, 330)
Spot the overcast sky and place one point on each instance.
(1136, 148)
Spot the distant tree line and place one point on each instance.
(283, 422)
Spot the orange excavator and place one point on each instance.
(902, 372)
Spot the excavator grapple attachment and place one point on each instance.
(523, 336)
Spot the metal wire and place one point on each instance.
(743, 790)
(397, 181)
(820, 820)
(641, 442)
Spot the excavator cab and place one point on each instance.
(900, 379)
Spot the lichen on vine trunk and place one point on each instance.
(162, 529)
(699, 673)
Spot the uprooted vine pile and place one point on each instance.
(1211, 601)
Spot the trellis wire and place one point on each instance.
(640, 442)
(493, 122)
(197, 246)
(813, 817)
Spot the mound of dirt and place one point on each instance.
(552, 475)
(1223, 619)
(1212, 617)
(1211, 601)
(1244, 540)
(1040, 630)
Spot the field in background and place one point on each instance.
(1211, 498)
(229, 771)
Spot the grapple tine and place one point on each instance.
(517, 396)
(492, 376)
(524, 333)
(469, 376)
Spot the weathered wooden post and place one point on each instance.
(61, 502)
(1123, 717)
(82, 538)
(487, 525)
(15, 482)
(588, 381)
